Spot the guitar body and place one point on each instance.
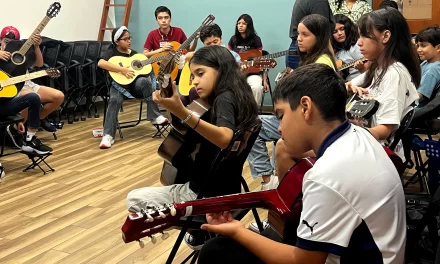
(14, 70)
(177, 136)
(7, 91)
(134, 63)
(185, 82)
(249, 55)
(156, 65)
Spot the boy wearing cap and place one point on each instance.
(50, 98)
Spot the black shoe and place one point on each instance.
(195, 240)
(35, 145)
(16, 138)
(46, 125)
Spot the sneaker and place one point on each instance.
(254, 227)
(16, 137)
(195, 242)
(106, 142)
(160, 120)
(272, 184)
(46, 125)
(2, 172)
(35, 145)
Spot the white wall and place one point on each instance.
(77, 20)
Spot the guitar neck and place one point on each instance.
(349, 65)
(26, 46)
(22, 78)
(266, 199)
(275, 55)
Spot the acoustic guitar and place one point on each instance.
(7, 84)
(255, 55)
(141, 65)
(19, 57)
(185, 81)
(284, 204)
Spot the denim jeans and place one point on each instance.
(258, 158)
(142, 88)
(292, 61)
(11, 107)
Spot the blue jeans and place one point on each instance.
(13, 106)
(293, 61)
(259, 161)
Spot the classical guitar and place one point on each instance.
(141, 65)
(176, 136)
(285, 201)
(19, 57)
(185, 82)
(255, 55)
(7, 84)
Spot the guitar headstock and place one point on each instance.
(265, 64)
(208, 20)
(149, 222)
(53, 73)
(362, 110)
(53, 10)
(167, 66)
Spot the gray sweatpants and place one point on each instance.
(158, 196)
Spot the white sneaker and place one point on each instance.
(254, 227)
(2, 172)
(106, 142)
(272, 184)
(160, 120)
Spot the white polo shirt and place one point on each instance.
(353, 203)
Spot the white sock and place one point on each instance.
(29, 135)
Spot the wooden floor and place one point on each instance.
(74, 215)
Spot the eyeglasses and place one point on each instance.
(127, 39)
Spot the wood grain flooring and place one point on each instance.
(74, 215)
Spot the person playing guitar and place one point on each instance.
(159, 40)
(142, 87)
(344, 42)
(245, 38)
(342, 220)
(220, 84)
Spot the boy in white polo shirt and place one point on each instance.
(353, 202)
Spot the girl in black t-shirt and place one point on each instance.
(142, 87)
(245, 38)
(219, 82)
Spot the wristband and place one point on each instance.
(188, 117)
(197, 124)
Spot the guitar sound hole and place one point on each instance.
(17, 58)
(136, 65)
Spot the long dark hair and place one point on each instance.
(319, 26)
(398, 48)
(251, 34)
(351, 33)
(339, 3)
(229, 79)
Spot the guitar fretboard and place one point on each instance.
(38, 30)
(351, 64)
(278, 54)
(22, 78)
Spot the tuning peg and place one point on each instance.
(173, 211)
(165, 235)
(162, 214)
(153, 239)
(141, 243)
(149, 218)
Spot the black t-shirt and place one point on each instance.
(303, 8)
(237, 46)
(226, 179)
